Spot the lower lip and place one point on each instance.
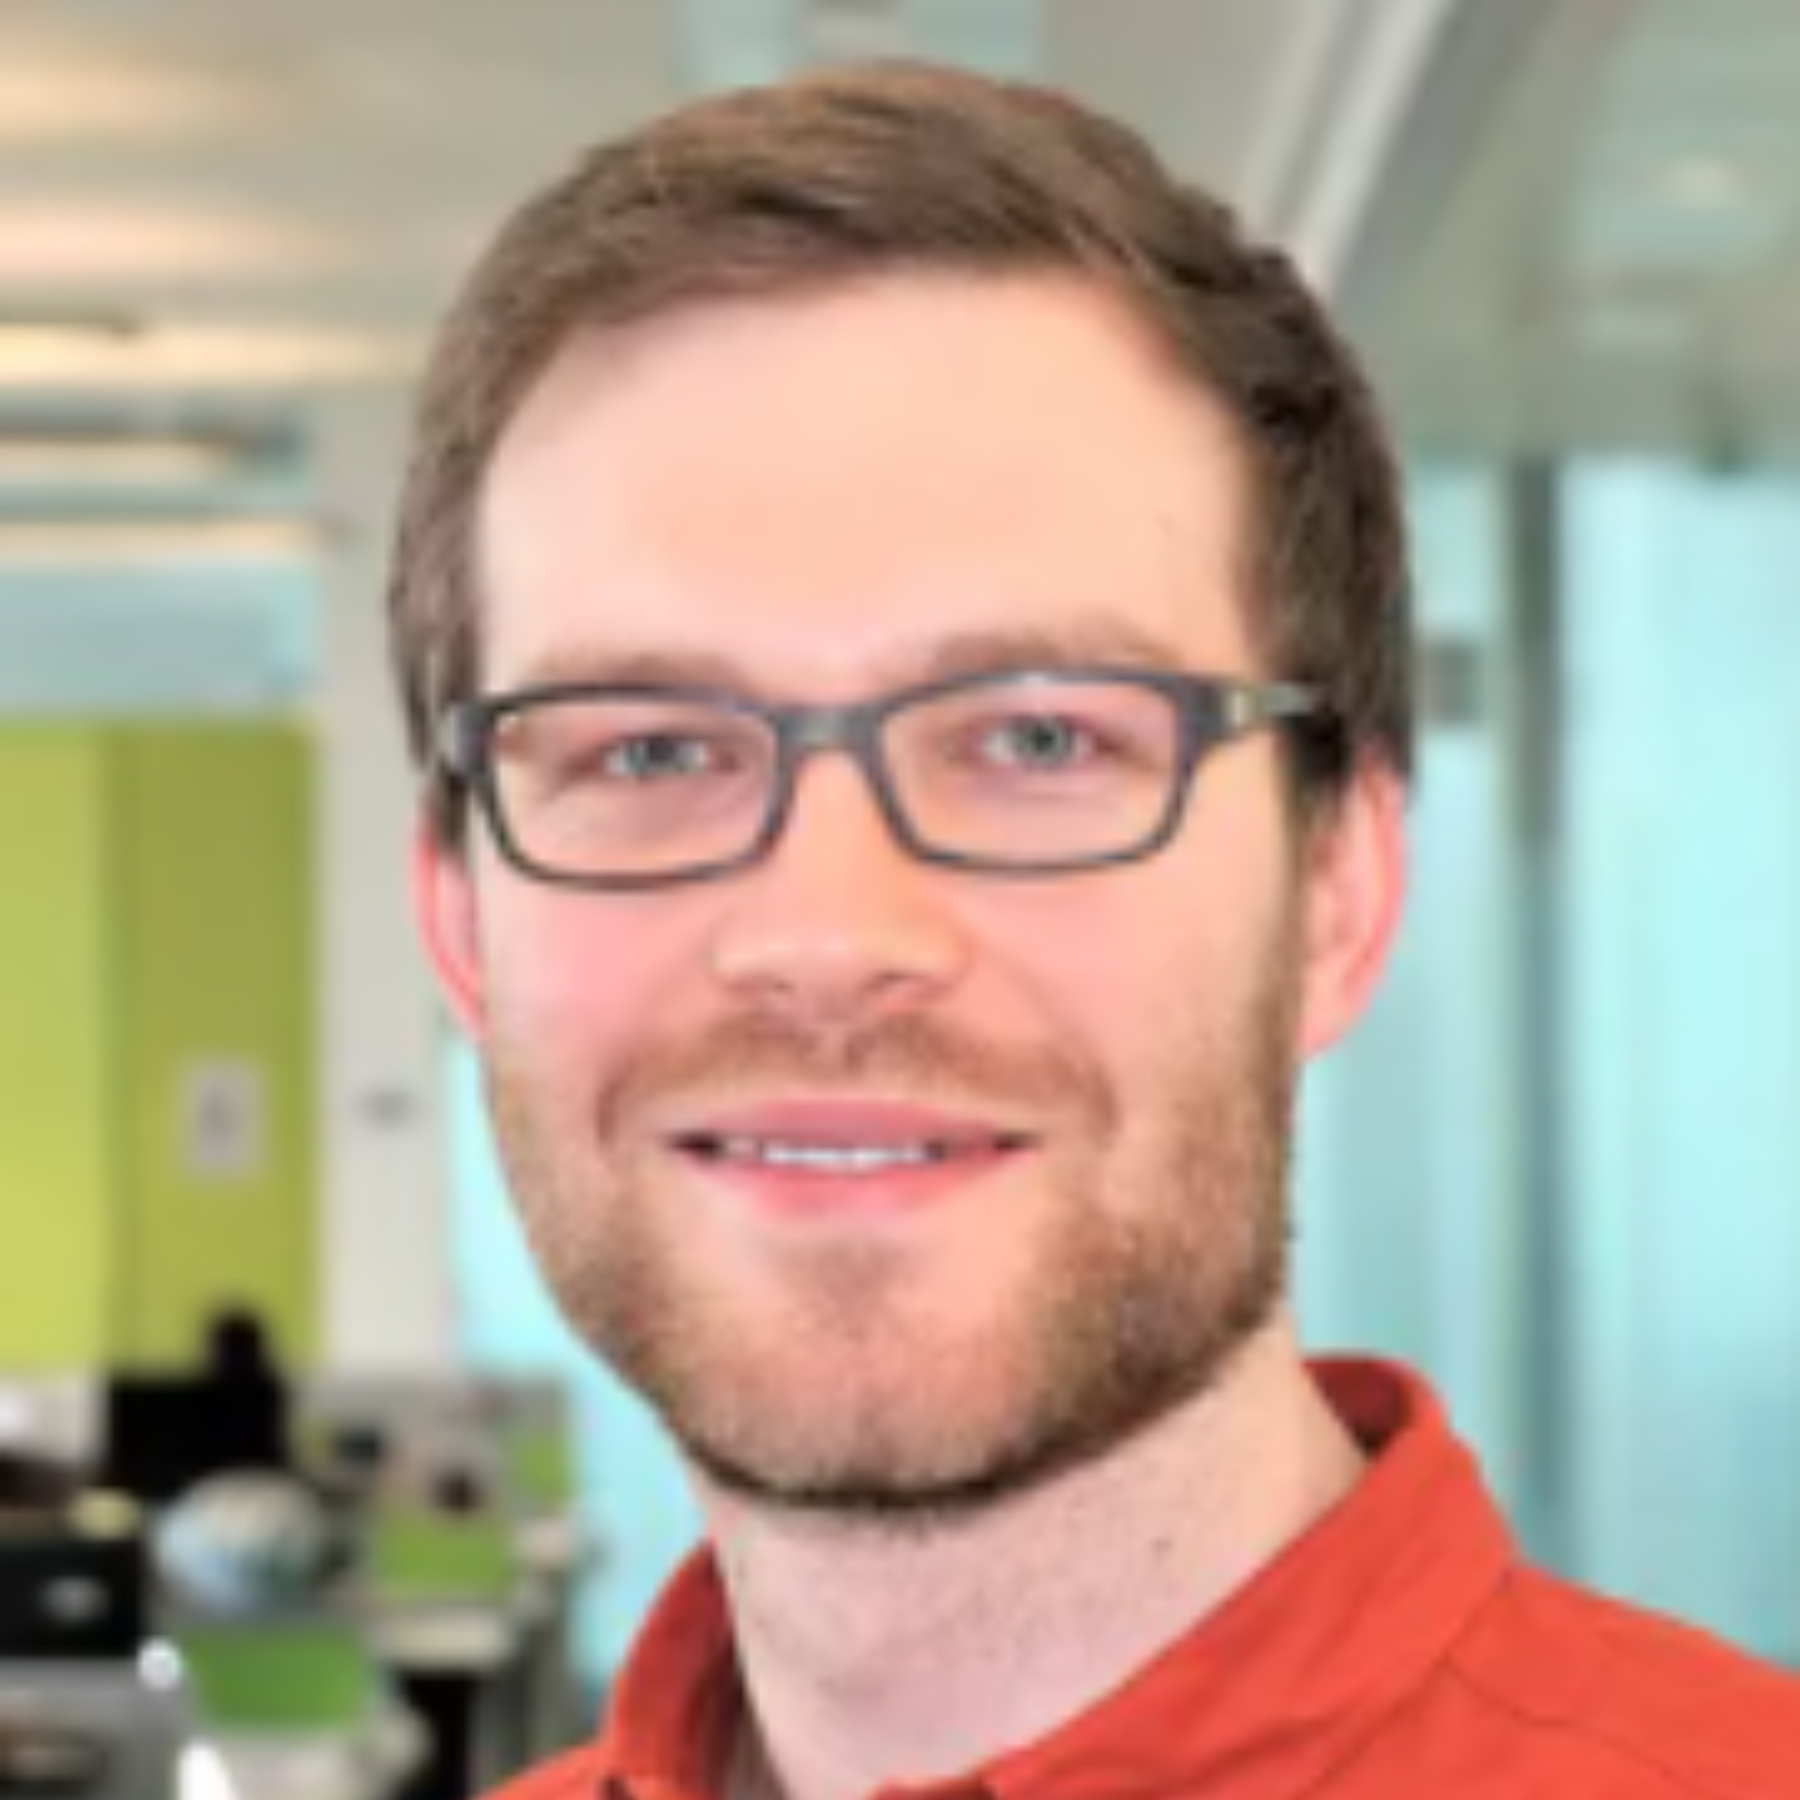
(791, 1192)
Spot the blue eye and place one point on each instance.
(657, 756)
(1039, 741)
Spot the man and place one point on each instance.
(903, 608)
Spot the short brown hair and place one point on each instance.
(896, 167)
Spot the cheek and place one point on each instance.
(574, 980)
(1116, 967)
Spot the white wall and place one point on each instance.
(386, 1276)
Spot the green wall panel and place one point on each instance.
(58, 1193)
(217, 1038)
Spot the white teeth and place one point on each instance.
(850, 1159)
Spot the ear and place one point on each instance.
(1355, 871)
(443, 895)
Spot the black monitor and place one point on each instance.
(66, 1594)
(163, 1433)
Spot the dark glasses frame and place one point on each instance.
(1211, 712)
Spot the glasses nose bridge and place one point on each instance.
(809, 731)
(847, 731)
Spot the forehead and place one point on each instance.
(813, 490)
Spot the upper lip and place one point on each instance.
(846, 1122)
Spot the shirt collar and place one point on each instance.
(1264, 1696)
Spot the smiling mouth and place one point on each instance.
(813, 1156)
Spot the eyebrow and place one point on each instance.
(1082, 642)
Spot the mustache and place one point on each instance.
(908, 1056)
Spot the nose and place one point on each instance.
(838, 923)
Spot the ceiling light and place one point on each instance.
(27, 347)
(77, 243)
(57, 360)
(843, 30)
(55, 462)
(140, 543)
(1703, 182)
(50, 103)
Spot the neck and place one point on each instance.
(876, 1655)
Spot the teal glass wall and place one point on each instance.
(1559, 1166)
(1410, 1190)
(1682, 907)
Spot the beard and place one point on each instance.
(1155, 1247)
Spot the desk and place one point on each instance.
(142, 1732)
(471, 1616)
(489, 1677)
(372, 1764)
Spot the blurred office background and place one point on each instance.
(1559, 1168)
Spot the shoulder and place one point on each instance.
(1626, 1699)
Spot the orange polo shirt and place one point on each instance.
(1399, 1650)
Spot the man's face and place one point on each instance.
(817, 500)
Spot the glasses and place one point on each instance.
(1025, 773)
